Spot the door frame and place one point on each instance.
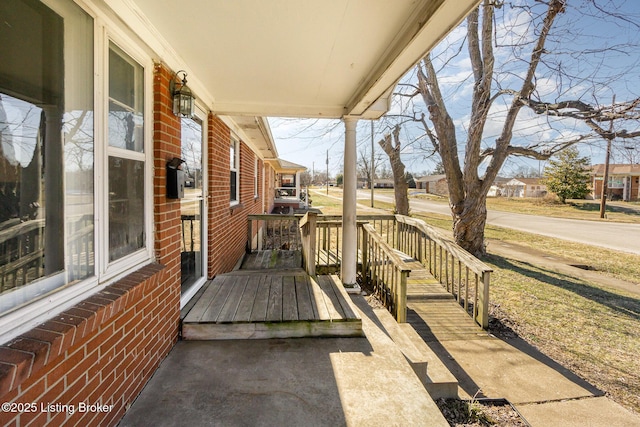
(185, 297)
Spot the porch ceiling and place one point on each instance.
(296, 58)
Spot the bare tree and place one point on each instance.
(393, 148)
(531, 59)
(364, 165)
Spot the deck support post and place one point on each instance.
(349, 227)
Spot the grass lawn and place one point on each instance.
(591, 329)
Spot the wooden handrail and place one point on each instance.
(437, 236)
(387, 271)
(444, 258)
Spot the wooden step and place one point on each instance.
(274, 304)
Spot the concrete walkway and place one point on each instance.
(544, 392)
(287, 382)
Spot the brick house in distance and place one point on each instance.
(433, 184)
(94, 146)
(624, 182)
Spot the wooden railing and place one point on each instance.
(320, 238)
(386, 272)
(328, 252)
(273, 232)
(308, 237)
(463, 275)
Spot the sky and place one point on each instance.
(598, 47)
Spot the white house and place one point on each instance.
(524, 187)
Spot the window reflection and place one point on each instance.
(46, 148)
(126, 169)
(126, 207)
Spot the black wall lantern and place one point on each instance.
(182, 96)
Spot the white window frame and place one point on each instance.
(236, 142)
(111, 269)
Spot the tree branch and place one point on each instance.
(540, 151)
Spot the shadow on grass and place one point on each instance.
(621, 304)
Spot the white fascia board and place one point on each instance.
(431, 29)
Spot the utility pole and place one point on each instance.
(605, 178)
(313, 172)
(327, 172)
(373, 167)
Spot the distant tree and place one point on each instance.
(411, 182)
(364, 165)
(320, 178)
(305, 178)
(339, 179)
(526, 172)
(568, 175)
(438, 169)
(385, 172)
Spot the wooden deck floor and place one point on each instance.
(272, 259)
(271, 304)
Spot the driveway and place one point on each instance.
(611, 235)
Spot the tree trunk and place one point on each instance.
(400, 185)
(468, 224)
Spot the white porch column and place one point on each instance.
(349, 228)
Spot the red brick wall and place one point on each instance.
(166, 146)
(228, 225)
(104, 349)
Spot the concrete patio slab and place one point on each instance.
(308, 381)
(591, 412)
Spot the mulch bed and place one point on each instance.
(480, 413)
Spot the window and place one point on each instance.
(616, 182)
(52, 145)
(255, 176)
(126, 155)
(46, 149)
(234, 166)
(288, 180)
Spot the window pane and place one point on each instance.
(232, 159)
(191, 153)
(126, 85)
(126, 207)
(234, 187)
(46, 134)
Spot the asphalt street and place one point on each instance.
(612, 235)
